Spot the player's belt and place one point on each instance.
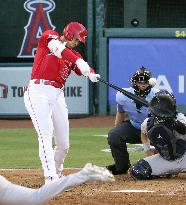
(49, 82)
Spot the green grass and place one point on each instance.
(19, 148)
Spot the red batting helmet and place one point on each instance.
(75, 29)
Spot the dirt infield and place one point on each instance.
(89, 122)
(157, 192)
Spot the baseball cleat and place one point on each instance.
(96, 173)
(112, 168)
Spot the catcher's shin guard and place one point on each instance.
(141, 170)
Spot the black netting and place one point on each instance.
(160, 13)
(114, 15)
(166, 14)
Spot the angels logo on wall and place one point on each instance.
(39, 21)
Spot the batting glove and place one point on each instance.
(94, 77)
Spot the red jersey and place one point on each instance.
(49, 67)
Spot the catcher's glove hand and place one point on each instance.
(179, 127)
(160, 130)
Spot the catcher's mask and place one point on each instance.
(163, 106)
(141, 75)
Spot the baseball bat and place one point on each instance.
(132, 96)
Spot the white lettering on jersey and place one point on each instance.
(52, 36)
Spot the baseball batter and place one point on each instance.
(166, 131)
(128, 120)
(11, 194)
(44, 99)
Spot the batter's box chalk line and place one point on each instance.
(172, 193)
(133, 191)
(137, 148)
(130, 149)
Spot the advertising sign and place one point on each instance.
(12, 80)
(164, 57)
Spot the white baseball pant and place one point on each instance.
(11, 194)
(48, 111)
(161, 166)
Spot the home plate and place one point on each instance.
(132, 190)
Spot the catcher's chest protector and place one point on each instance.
(164, 141)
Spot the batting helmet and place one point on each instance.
(141, 75)
(75, 29)
(163, 105)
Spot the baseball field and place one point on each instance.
(19, 162)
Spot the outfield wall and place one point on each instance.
(160, 50)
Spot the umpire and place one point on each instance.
(128, 120)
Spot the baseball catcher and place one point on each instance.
(166, 131)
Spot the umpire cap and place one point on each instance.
(163, 105)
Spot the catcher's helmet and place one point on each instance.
(141, 75)
(163, 105)
(75, 29)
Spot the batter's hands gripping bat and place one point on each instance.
(132, 96)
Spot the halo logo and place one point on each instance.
(39, 21)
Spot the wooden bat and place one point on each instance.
(137, 99)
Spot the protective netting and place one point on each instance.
(166, 14)
(160, 14)
(114, 13)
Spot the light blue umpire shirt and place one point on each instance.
(125, 104)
